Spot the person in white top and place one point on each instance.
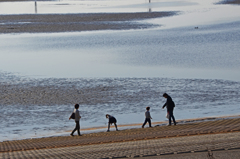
(77, 117)
(147, 117)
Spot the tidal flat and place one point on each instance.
(123, 60)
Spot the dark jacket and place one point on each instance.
(169, 103)
(112, 119)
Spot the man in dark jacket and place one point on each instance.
(170, 106)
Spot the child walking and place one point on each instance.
(77, 119)
(147, 117)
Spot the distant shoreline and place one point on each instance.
(221, 2)
(37, 23)
(230, 2)
(23, 0)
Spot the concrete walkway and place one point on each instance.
(221, 137)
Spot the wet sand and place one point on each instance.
(53, 98)
(165, 122)
(37, 23)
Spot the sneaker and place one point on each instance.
(175, 123)
(71, 134)
(169, 125)
(142, 126)
(108, 130)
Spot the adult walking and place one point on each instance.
(77, 117)
(170, 106)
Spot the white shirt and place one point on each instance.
(77, 114)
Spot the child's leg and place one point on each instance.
(116, 126)
(144, 123)
(108, 126)
(78, 128)
(149, 122)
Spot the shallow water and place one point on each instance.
(120, 72)
(210, 52)
(41, 113)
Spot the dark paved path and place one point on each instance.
(217, 136)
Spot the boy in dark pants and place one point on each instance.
(77, 119)
(112, 119)
(148, 117)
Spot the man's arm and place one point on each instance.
(164, 105)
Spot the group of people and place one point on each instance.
(76, 116)
(170, 106)
(112, 120)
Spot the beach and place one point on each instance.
(115, 70)
(117, 58)
(49, 102)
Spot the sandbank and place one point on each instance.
(36, 23)
(230, 2)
